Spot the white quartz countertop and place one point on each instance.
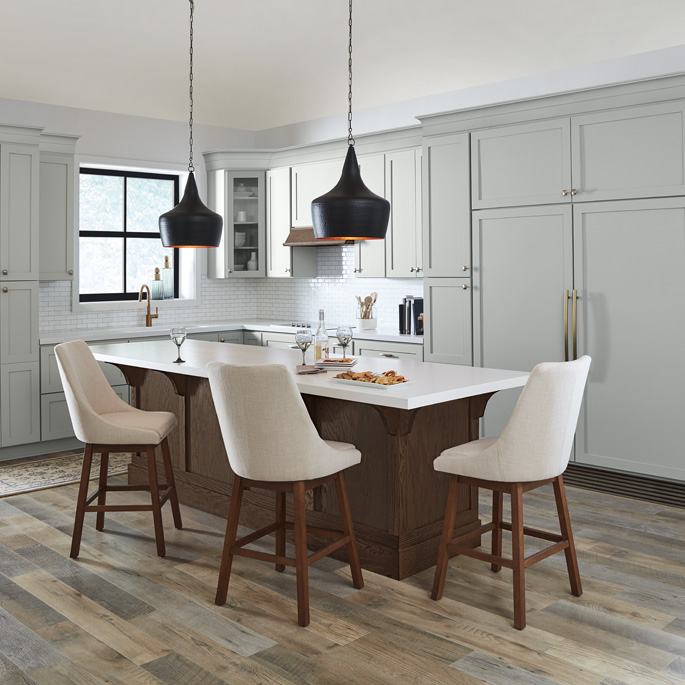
(432, 383)
(126, 333)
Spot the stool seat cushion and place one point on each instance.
(134, 428)
(475, 459)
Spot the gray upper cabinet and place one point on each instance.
(629, 153)
(403, 241)
(18, 212)
(369, 255)
(527, 164)
(447, 321)
(522, 265)
(309, 181)
(18, 322)
(634, 330)
(56, 243)
(446, 206)
(282, 261)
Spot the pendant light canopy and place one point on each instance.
(190, 223)
(350, 211)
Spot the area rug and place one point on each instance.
(54, 471)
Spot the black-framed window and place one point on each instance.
(119, 242)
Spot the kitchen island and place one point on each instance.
(396, 497)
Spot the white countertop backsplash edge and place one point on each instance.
(125, 332)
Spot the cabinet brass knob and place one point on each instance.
(230, 271)
(287, 271)
(5, 290)
(564, 193)
(411, 269)
(4, 272)
(418, 268)
(464, 287)
(574, 191)
(464, 268)
(71, 272)
(222, 340)
(355, 270)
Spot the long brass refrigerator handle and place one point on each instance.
(575, 324)
(565, 325)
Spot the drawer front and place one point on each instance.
(388, 350)
(211, 337)
(234, 337)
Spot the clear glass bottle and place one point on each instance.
(156, 287)
(321, 340)
(168, 279)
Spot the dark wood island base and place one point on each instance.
(397, 499)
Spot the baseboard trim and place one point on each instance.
(626, 485)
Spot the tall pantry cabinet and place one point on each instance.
(19, 269)
(595, 267)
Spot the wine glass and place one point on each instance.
(303, 339)
(344, 334)
(178, 335)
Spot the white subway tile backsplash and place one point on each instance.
(263, 298)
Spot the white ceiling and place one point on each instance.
(266, 63)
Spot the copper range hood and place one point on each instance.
(303, 236)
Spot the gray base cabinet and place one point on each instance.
(19, 403)
(234, 337)
(447, 321)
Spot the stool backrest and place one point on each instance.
(536, 442)
(87, 391)
(265, 425)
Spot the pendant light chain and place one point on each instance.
(350, 138)
(191, 166)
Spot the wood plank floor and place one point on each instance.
(122, 615)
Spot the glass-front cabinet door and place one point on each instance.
(245, 235)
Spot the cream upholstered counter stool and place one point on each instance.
(107, 424)
(533, 450)
(272, 444)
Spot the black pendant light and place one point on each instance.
(190, 223)
(350, 211)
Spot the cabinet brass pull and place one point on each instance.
(230, 271)
(71, 272)
(387, 354)
(574, 191)
(4, 272)
(418, 268)
(411, 270)
(293, 347)
(222, 339)
(5, 290)
(565, 325)
(464, 268)
(575, 324)
(356, 270)
(564, 193)
(464, 287)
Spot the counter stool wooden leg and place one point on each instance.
(348, 529)
(154, 497)
(447, 533)
(102, 487)
(171, 483)
(301, 554)
(566, 534)
(497, 498)
(280, 531)
(229, 541)
(81, 501)
(517, 554)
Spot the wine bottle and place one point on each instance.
(321, 340)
